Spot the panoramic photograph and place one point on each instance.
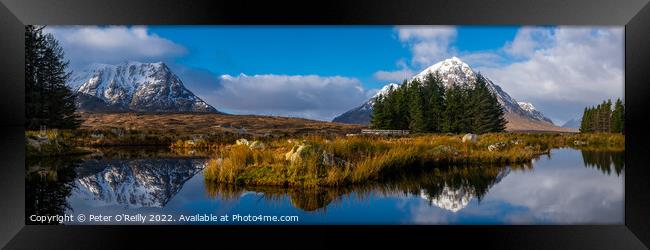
(313, 125)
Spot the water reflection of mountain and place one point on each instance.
(605, 161)
(450, 189)
(149, 182)
(458, 190)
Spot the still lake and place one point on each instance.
(567, 186)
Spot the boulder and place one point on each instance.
(250, 144)
(34, 143)
(296, 153)
(242, 141)
(256, 145)
(328, 158)
(470, 138)
(497, 146)
(516, 142)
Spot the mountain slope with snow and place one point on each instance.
(532, 112)
(134, 183)
(134, 86)
(361, 114)
(452, 72)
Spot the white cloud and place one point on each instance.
(308, 96)
(528, 40)
(428, 44)
(483, 59)
(564, 193)
(394, 76)
(113, 44)
(565, 68)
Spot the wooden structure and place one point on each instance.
(384, 132)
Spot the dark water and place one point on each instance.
(567, 186)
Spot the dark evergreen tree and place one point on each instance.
(417, 106)
(584, 123)
(34, 43)
(602, 118)
(434, 95)
(48, 100)
(426, 106)
(618, 117)
(453, 110)
(378, 118)
(487, 114)
(606, 115)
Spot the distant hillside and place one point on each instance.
(573, 123)
(213, 123)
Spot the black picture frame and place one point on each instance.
(634, 15)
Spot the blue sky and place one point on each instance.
(325, 50)
(319, 72)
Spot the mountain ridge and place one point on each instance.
(134, 86)
(454, 71)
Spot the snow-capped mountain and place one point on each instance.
(361, 114)
(135, 183)
(134, 86)
(453, 71)
(528, 107)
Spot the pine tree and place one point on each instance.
(434, 95)
(34, 43)
(606, 115)
(48, 100)
(426, 106)
(618, 117)
(453, 110)
(487, 114)
(417, 106)
(401, 119)
(602, 118)
(378, 117)
(598, 120)
(467, 110)
(584, 122)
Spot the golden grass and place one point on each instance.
(51, 143)
(349, 160)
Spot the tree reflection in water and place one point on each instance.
(605, 161)
(48, 183)
(450, 188)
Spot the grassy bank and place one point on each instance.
(317, 161)
(51, 143)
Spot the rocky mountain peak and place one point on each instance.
(134, 86)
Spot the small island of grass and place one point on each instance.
(339, 161)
